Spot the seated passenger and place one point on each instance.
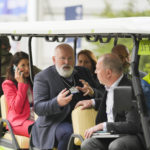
(6, 57)
(145, 82)
(18, 92)
(123, 53)
(110, 73)
(55, 95)
(88, 60)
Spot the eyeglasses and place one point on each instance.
(64, 58)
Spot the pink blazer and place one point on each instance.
(17, 101)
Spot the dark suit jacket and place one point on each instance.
(124, 122)
(99, 89)
(47, 86)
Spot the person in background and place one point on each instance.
(123, 53)
(17, 89)
(55, 95)
(87, 59)
(110, 73)
(6, 57)
(145, 82)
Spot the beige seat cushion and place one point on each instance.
(82, 120)
(4, 108)
(23, 141)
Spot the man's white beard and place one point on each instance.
(64, 73)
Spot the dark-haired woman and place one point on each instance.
(17, 89)
(88, 60)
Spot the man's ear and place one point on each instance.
(109, 73)
(54, 60)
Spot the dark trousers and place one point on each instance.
(129, 142)
(63, 133)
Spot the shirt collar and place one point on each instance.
(115, 84)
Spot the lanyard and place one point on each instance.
(72, 89)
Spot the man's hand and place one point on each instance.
(86, 89)
(88, 133)
(84, 103)
(63, 99)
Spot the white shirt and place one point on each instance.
(110, 102)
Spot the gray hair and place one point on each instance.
(63, 46)
(112, 62)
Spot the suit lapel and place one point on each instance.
(101, 115)
(124, 81)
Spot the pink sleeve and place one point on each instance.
(15, 96)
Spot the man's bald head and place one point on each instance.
(108, 69)
(120, 50)
(123, 53)
(112, 62)
(63, 47)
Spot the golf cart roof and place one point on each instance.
(129, 25)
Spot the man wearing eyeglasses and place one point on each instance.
(55, 95)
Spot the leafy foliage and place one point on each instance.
(102, 48)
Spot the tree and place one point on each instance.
(101, 48)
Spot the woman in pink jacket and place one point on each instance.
(18, 92)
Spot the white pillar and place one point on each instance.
(32, 11)
(32, 16)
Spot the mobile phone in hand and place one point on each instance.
(14, 67)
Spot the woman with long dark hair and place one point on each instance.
(17, 89)
(88, 60)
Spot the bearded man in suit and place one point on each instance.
(55, 95)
